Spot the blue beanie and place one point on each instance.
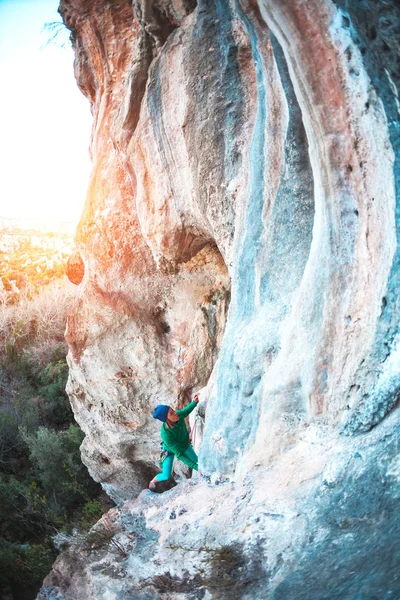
(161, 412)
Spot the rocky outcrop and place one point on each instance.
(75, 268)
(294, 532)
(245, 155)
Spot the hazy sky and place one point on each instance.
(44, 119)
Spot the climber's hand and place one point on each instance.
(196, 398)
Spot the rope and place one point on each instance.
(193, 432)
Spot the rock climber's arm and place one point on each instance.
(181, 456)
(187, 410)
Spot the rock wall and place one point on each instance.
(240, 236)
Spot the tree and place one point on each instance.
(57, 407)
(12, 446)
(56, 460)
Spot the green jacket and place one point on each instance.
(177, 440)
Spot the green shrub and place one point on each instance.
(78, 484)
(57, 408)
(92, 512)
(25, 564)
(28, 410)
(36, 561)
(47, 456)
(58, 411)
(24, 511)
(44, 487)
(8, 560)
(55, 374)
(12, 447)
(4, 383)
(56, 460)
(12, 504)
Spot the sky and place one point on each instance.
(45, 120)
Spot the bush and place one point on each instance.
(4, 384)
(28, 410)
(44, 487)
(24, 564)
(12, 446)
(57, 408)
(25, 512)
(78, 485)
(32, 331)
(12, 504)
(47, 456)
(56, 460)
(92, 512)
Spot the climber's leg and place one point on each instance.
(166, 468)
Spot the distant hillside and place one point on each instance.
(30, 260)
(39, 225)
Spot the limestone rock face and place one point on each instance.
(240, 236)
(296, 532)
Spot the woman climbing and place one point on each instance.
(175, 439)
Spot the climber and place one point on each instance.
(175, 439)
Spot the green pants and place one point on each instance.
(168, 462)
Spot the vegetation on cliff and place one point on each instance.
(44, 487)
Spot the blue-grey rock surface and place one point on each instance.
(240, 237)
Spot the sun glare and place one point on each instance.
(44, 119)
